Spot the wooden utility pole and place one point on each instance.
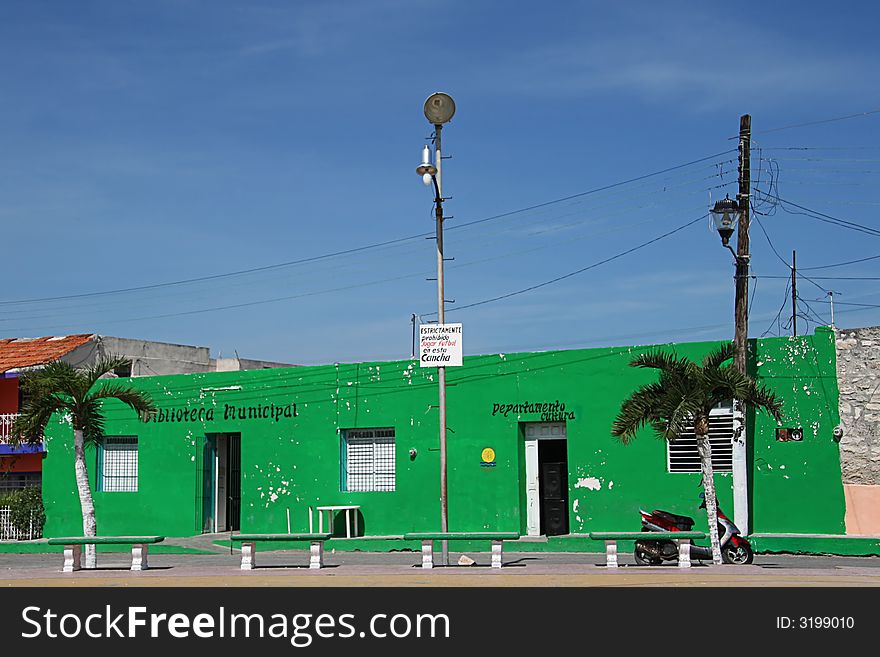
(741, 312)
(741, 331)
(794, 293)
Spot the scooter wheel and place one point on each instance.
(739, 555)
(644, 558)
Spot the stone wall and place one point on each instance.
(858, 376)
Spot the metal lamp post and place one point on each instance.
(439, 109)
(727, 216)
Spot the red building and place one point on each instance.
(22, 466)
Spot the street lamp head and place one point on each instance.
(439, 108)
(426, 170)
(725, 216)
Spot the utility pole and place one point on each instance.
(741, 312)
(741, 331)
(794, 293)
(413, 320)
(831, 297)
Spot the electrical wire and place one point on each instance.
(578, 271)
(840, 264)
(818, 122)
(368, 246)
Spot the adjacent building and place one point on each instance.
(21, 465)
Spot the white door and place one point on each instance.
(534, 432)
(220, 498)
(533, 502)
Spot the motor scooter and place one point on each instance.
(734, 548)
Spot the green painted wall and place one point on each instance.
(293, 462)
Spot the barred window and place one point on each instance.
(682, 455)
(118, 464)
(368, 460)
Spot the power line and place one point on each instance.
(809, 123)
(365, 247)
(821, 216)
(579, 271)
(834, 278)
(840, 264)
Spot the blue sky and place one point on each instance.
(148, 143)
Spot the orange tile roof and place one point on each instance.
(27, 352)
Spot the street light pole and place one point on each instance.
(439, 109)
(441, 371)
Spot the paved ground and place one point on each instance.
(288, 568)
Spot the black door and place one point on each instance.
(553, 462)
(233, 482)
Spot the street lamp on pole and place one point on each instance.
(727, 215)
(439, 109)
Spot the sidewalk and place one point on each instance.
(288, 568)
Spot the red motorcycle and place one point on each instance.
(734, 548)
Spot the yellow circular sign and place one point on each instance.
(488, 455)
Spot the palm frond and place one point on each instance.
(642, 407)
(726, 383)
(60, 387)
(104, 365)
(138, 401)
(30, 424)
(762, 398)
(719, 356)
(661, 360)
(686, 391)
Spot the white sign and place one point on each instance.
(440, 345)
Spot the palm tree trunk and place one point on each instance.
(701, 430)
(87, 504)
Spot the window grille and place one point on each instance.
(10, 481)
(368, 460)
(119, 464)
(682, 455)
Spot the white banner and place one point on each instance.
(440, 345)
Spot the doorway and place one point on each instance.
(546, 478)
(221, 483)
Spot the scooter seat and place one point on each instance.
(675, 519)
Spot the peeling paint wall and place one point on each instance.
(294, 463)
(796, 486)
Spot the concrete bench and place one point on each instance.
(249, 546)
(73, 548)
(428, 538)
(611, 538)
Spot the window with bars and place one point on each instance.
(368, 462)
(118, 464)
(682, 455)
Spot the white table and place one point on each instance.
(350, 511)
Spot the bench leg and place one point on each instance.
(496, 554)
(427, 554)
(611, 554)
(684, 554)
(72, 558)
(348, 523)
(139, 556)
(316, 555)
(248, 556)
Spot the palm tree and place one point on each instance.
(59, 388)
(685, 394)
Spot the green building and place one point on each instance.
(529, 449)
